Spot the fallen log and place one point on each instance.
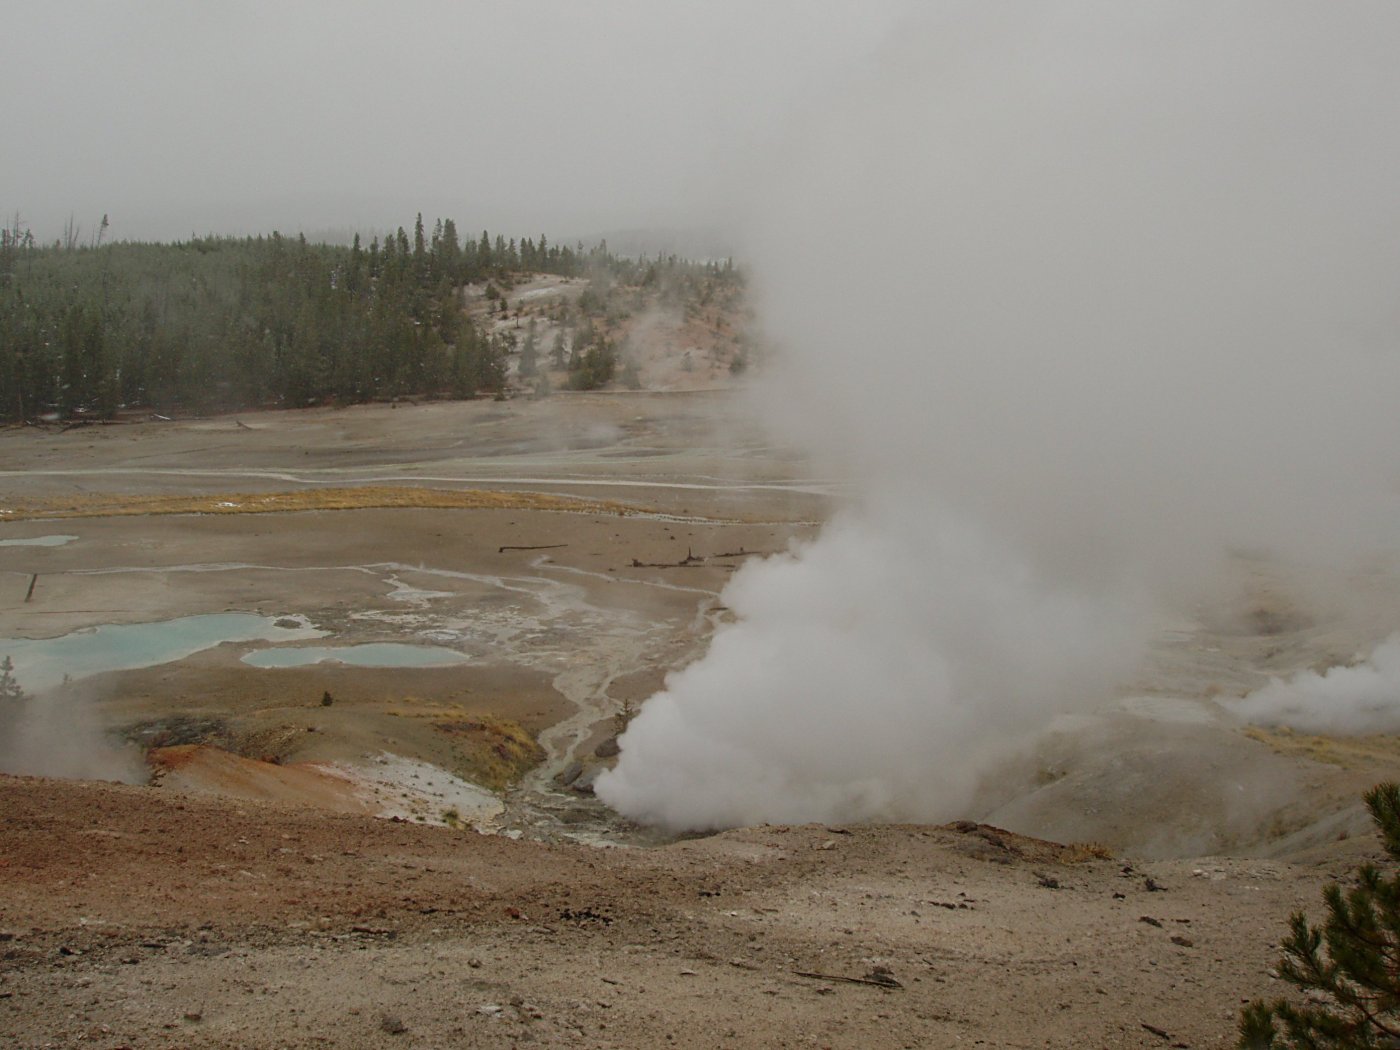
(688, 562)
(877, 980)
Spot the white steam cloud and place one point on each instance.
(1077, 295)
(1362, 698)
(59, 734)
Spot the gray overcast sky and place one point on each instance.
(561, 116)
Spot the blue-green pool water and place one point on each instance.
(38, 541)
(44, 662)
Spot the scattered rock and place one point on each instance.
(583, 784)
(608, 748)
(585, 915)
(883, 975)
(392, 1025)
(1150, 921)
(374, 931)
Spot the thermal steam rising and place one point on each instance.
(816, 706)
(1363, 698)
(1077, 295)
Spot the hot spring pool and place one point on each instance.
(39, 541)
(44, 662)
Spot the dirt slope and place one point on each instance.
(138, 917)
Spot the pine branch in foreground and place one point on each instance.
(1349, 967)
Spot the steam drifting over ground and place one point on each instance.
(1077, 296)
(59, 734)
(1364, 698)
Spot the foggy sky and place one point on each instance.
(557, 116)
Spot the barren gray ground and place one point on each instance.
(139, 916)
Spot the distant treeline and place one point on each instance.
(220, 323)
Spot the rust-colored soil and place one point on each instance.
(139, 917)
(198, 768)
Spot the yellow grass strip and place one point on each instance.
(361, 497)
(1348, 752)
(493, 752)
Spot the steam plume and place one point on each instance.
(59, 734)
(1363, 698)
(1077, 295)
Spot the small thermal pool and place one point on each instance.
(44, 662)
(38, 541)
(377, 654)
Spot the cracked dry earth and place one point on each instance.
(137, 918)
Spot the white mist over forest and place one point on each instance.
(1077, 298)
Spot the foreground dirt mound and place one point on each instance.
(200, 769)
(145, 918)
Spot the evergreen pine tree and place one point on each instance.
(10, 691)
(1349, 966)
(13, 702)
(449, 253)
